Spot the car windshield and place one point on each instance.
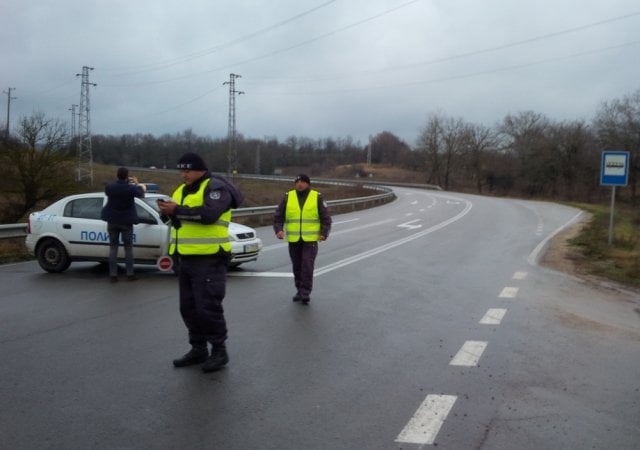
(151, 201)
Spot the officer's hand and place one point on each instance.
(167, 207)
(323, 238)
(280, 234)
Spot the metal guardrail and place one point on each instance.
(13, 230)
(261, 213)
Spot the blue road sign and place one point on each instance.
(615, 169)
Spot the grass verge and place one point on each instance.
(620, 261)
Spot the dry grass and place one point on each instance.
(619, 261)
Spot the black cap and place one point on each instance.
(303, 177)
(191, 161)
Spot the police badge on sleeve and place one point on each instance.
(214, 195)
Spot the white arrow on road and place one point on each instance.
(409, 226)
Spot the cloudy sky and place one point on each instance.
(315, 68)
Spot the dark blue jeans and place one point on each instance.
(115, 233)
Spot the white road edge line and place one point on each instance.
(390, 245)
(535, 254)
(374, 251)
(425, 424)
(469, 354)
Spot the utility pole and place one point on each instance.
(73, 121)
(85, 154)
(9, 98)
(258, 159)
(232, 156)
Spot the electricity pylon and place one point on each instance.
(232, 155)
(85, 154)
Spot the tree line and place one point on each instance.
(527, 154)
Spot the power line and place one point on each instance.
(469, 75)
(210, 50)
(470, 53)
(274, 52)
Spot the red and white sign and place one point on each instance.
(165, 263)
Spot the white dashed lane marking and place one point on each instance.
(493, 316)
(425, 424)
(509, 292)
(469, 354)
(423, 427)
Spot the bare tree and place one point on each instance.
(578, 160)
(443, 141)
(387, 148)
(38, 166)
(526, 135)
(617, 127)
(480, 140)
(430, 143)
(454, 133)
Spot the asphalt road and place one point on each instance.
(430, 325)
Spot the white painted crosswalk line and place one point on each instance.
(509, 292)
(493, 316)
(423, 427)
(519, 275)
(469, 354)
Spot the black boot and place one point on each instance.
(196, 355)
(216, 361)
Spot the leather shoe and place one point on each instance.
(193, 356)
(304, 299)
(297, 297)
(216, 361)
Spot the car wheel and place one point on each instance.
(52, 256)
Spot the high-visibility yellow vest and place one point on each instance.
(302, 223)
(196, 238)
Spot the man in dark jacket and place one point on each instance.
(200, 213)
(120, 215)
(303, 217)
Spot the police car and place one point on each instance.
(71, 230)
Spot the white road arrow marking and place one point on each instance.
(409, 226)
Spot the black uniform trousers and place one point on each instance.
(303, 256)
(202, 281)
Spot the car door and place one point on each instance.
(83, 229)
(150, 236)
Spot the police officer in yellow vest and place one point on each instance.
(200, 212)
(304, 218)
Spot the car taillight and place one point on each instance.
(29, 226)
